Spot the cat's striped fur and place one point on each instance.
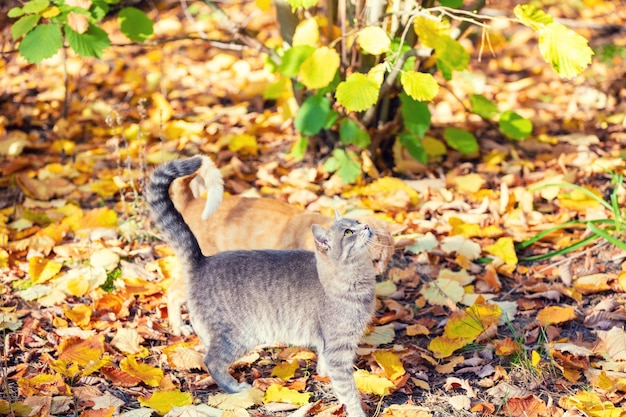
(242, 299)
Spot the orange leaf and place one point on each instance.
(555, 315)
(81, 351)
(529, 406)
(79, 314)
(506, 347)
(120, 378)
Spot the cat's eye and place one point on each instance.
(348, 232)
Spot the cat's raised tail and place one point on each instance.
(164, 213)
(214, 185)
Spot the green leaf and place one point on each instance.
(415, 114)
(567, 51)
(99, 9)
(419, 85)
(345, 164)
(135, 24)
(413, 144)
(293, 59)
(461, 140)
(299, 148)
(15, 12)
(455, 4)
(515, 126)
(24, 25)
(301, 3)
(331, 119)
(91, 43)
(351, 132)
(450, 56)
(35, 6)
(357, 92)
(483, 107)
(312, 115)
(277, 89)
(529, 15)
(40, 43)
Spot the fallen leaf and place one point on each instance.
(390, 363)
(245, 399)
(556, 315)
(280, 394)
(368, 383)
(164, 401)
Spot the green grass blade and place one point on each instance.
(576, 187)
(563, 251)
(602, 233)
(546, 232)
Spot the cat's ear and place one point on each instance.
(337, 214)
(320, 234)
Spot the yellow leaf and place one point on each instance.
(434, 147)
(473, 321)
(285, 370)
(358, 92)
(535, 359)
(590, 403)
(430, 30)
(504, 249)
(42, 384)
(4, 255)
(183, 356)
(80, 314)
(567, 51)
(443, 347)
(469, 183)
(245, 399)
(67, 369)
(417, 330)
(307, 33)
(65, 146)
(407, 410)
(377, 73)
(594, 283)
(51, 12)
(100, 217)
(556, 315)
(577, 200)
(18, 409)
(149, 375)
(385, 188)
(442, 291)
(42, 270)
(164, 401)
(318, 70)
(373, 40)
(368, 383)
(459, 227)
(264, 5)
(244, 144)
(162, 111)
(420, 86)
(390, 363)
(279, 394)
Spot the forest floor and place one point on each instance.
(82, 317)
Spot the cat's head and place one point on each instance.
(344, 239)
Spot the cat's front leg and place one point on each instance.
(218, 369)
(342, 381)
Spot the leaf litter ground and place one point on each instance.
(83, 275)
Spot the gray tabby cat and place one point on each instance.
(242, 299)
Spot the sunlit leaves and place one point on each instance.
(280, 394)
(504, 249)
(42, 270)
(369, 383)
(590, 403)
(135, 24)
(556, 315)
(419, 85)
(24, 25)
(164, 401)
(40, 43)
(319, 69)
(515, 126)
(357, 92)
(244, 143)
(567, 52)
(293, 59)
(43, 384)
(149, 375)
(464, 327)
(245, 399)
(306, 33)
(390, 363)
(373, 40)
(285, 370)
(79, 314)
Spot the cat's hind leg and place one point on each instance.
(176, 296)
(217, 364)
